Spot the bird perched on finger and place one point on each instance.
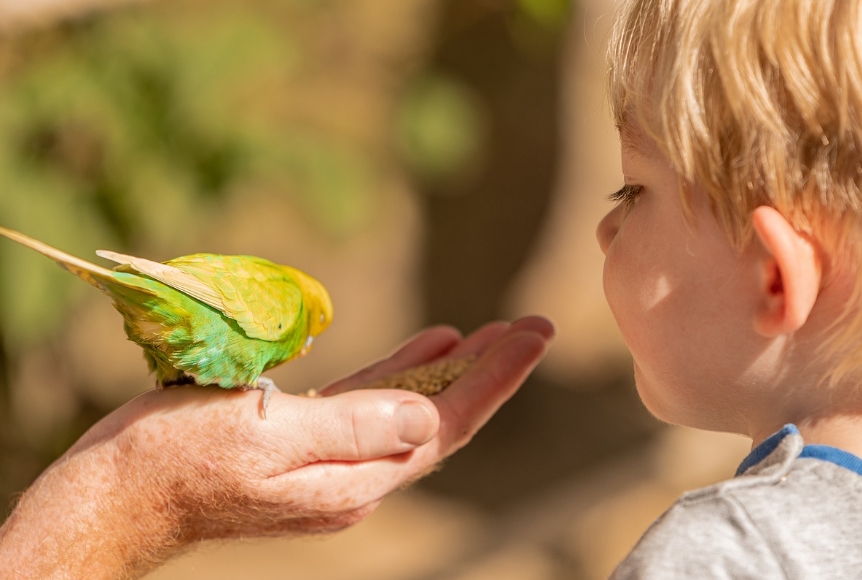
(207, 319)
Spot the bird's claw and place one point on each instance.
(268, 387)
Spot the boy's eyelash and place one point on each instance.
(626, 194)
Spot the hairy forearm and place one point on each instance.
(86, 517)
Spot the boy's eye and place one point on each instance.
(626, 194)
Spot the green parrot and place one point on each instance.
(207, 319)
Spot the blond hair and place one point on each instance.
(759, 102)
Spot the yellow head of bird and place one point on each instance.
(317, 301)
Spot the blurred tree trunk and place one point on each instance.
(481, 227)
(480, 230)
(5, 379)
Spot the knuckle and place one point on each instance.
(354, 440)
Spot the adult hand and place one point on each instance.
(175, 467)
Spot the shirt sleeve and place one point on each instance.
(704, 538)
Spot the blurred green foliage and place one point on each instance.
(128, 129)
(552, 14)
(441, 127)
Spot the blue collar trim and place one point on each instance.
(822, 452)
(834, 455)
(766, 447)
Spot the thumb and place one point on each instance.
(360, 425)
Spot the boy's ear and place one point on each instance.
(790, 274)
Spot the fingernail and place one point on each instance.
(415, 423)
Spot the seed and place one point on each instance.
(428, 379)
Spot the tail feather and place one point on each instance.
(87, 271)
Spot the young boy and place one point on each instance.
(732, 268)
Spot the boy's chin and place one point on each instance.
(653, 403)
(669, 407)
(651, 398)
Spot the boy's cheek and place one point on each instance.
(632, 288)
(612, 284)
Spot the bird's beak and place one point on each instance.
(307, 344)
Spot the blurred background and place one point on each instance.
(431, 161)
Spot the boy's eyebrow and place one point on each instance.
(632, 140)
(630, 147)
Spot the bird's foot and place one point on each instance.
(268, 387)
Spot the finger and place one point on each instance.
(537, 324)
(480, 339)
(464, 408)
(471, 400)
(331, 487)
(427, 345)
(352, 426)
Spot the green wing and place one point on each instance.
(263, 298)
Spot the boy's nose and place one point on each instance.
(608, 228)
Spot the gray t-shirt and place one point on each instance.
(794, 511)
